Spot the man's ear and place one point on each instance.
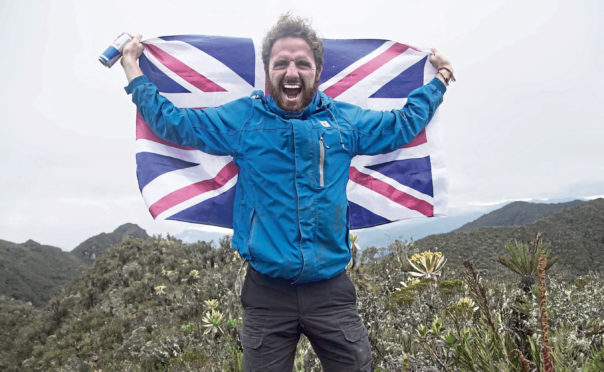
(319, 73)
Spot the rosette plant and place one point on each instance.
(427, 265)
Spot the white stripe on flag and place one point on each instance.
(420, 151)
(379, 204)
(212, 162)
(392, 182)
(196, 200)
(359, 93)
(206, 65)
(175, 180)
(345, 72)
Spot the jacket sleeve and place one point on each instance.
(214, 130)
(377, 132)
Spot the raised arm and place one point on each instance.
(130, 54)
(380, 132)
(213, 130)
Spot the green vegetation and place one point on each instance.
(518, 213)
(575, 234)
(157, 304)
(34, 273)
(93, 247)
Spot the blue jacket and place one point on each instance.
(290, 215)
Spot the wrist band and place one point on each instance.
(451, 76)
(444, 78)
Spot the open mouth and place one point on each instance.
(292, 90)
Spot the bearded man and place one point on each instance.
(293, 148)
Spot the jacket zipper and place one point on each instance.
(250, 237)
(321, 162)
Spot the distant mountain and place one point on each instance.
(412, 229)
(576, 235)
(33, 272)
(518, 213)
(92, 247)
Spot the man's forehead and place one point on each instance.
(288, 46)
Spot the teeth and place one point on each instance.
(291, 86)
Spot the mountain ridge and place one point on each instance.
(517, 213)
(34, 272)
(576, 235)
(94, 246)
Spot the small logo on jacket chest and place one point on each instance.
(324, 123)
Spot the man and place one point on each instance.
(293, 148)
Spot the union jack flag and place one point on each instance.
(185, 184)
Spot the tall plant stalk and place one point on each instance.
(548, 362)
(480, 294)
(526, 365)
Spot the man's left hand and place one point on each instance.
(443, 65)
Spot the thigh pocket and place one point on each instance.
(252, 330)
(351, 325)
(354, 332)
(252, 341)
(356, 347)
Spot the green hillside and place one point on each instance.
(576, 235)
(137, 307)
(517, 213)
(34, 272)
(160, 305)
(94, 246)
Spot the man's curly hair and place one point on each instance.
(289, 25)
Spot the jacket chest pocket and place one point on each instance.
(332, 157)
(322, 152)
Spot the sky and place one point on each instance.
(524, 121)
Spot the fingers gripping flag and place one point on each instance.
(185, 184)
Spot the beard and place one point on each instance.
(303, 95)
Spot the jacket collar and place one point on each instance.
(319, 102)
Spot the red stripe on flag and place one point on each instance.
(144, 132)
(363, 71)
(420, 139)
(391, 192)
(176, 197)
(195, 78)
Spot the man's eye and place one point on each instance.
(279, 65)
(303, 65)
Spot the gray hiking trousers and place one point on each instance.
(276, 312)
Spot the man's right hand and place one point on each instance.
(130, 54)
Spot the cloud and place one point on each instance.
(522, 122)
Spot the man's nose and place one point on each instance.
(291, 69)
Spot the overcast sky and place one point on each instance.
(524, 121)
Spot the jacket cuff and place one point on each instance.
(438, 85)
(139, 80)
